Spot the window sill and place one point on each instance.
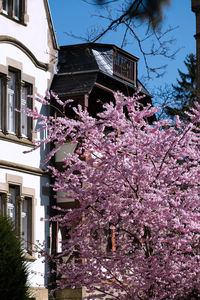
(13, 19)
(14, 139)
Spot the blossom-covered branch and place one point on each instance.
(136, 231)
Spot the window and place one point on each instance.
(111, 239)
(1, 96)
(16, 7)
(2, 204)
(26, 233)
(13, 8)
(1, 210)
(124, 67)
(24, 106)
(14, 95)
(26, 122)
(5, 6)
(20, 212)
(12, 205)
(59, 240)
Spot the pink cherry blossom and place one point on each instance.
(136, 231)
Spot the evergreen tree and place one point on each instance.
(13, 268)
(184, 92)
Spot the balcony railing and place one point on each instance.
(124, 67)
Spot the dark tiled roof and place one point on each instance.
(81, 66)
(76, 59)
(69, 84)
(143, 89)
(73, 83)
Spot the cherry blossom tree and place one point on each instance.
(136, 231)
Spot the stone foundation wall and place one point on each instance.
(37, 293)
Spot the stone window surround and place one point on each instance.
(25, 79)
(24, 192)
(24, 17)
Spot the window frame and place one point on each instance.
(17, 126)
(9, 9)
(29, 121)
(14, 205)
(1, 103)
(128, 74)
(15, 93)
(6, 3)
(29, 224)
(22, 192)
(1, 205)
(2, 100)
(18, 217)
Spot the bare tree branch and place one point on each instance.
(140, 21)
(100, 3)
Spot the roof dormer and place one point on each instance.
(104, 58)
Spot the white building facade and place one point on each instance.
(28, 57)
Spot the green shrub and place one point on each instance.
(13, 268)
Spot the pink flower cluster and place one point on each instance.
(136, 232)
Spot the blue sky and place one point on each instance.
(77, 17)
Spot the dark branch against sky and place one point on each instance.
(79, 18)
